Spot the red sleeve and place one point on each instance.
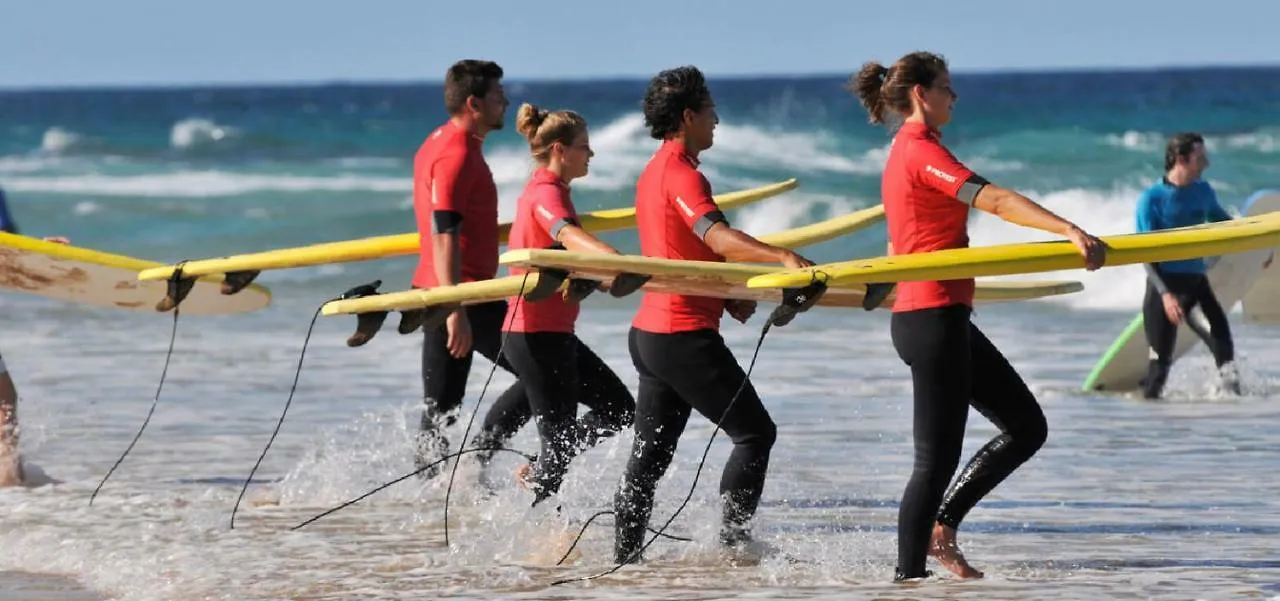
(934, 166)
(691, 193)
(451, 182)
(552, 209)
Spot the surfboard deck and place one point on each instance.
(377, 247)
(1237, 235)
(1124, 364)
(1262, 302)
(469, 293)
(728, 280)
(86, 276)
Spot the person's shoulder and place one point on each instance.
(1154, 192)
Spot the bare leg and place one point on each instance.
(10, 460)
(943, 548)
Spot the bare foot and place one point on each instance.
(522, 475)
(943, 548)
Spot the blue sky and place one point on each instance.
(53, 43)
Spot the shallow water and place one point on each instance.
(1128, 499)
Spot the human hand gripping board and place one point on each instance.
(1225, 237)
(238, 271)
(427, 307)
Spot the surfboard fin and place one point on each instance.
(367, 324)
(796, 301)
(178, 289)
(549, 281)
(426, 317)
(875, 295)
(235, 281)
(627, 283)
(580, 289)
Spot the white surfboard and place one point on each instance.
(1262, 303)
(82, 275)
(1124, 365)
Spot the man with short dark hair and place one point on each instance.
(455, 201)
(675, 342)
(1174, 288)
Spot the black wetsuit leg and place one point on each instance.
(556, 369)
(1001, 396)
(444, 377)
(952, 366)
(610, 402)
(678, 373)
(1191, 290)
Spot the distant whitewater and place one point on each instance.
(182, 173)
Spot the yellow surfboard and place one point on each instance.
(1236, 235)
(378, 247)
(92, 277)
(728, 280)
(490, 290)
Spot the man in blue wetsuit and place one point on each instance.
(1174, 288)
(6, 220)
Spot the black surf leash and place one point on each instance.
(360, 291)
(178, 287)
(794, 301)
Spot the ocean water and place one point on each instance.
(1128, 499)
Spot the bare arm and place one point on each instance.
(577, 239)
(1018, 209)
(738, 247)
(448, 261)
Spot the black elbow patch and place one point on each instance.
(970, 188)
(446, 222)
(704, 223)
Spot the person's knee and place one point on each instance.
(1032, 434)
(760, 432)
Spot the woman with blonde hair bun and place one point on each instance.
(555, 368)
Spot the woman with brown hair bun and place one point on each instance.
(927, 195)
(555, 368)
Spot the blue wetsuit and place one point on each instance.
(7, 223)
(1165, 206)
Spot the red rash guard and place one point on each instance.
(927, 195)
(453, 191)
(674, 210)
(542, 210)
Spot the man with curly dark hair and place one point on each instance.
(675, 340)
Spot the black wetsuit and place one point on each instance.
(954, 366)
(444, 377)
(681, 372)
(1191, 290)
(557, 371)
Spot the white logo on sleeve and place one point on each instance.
(545, 213)
(684, 207)
(434, 200)
(947, 177)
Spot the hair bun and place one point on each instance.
(528, 119)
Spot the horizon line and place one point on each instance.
(728, 76)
